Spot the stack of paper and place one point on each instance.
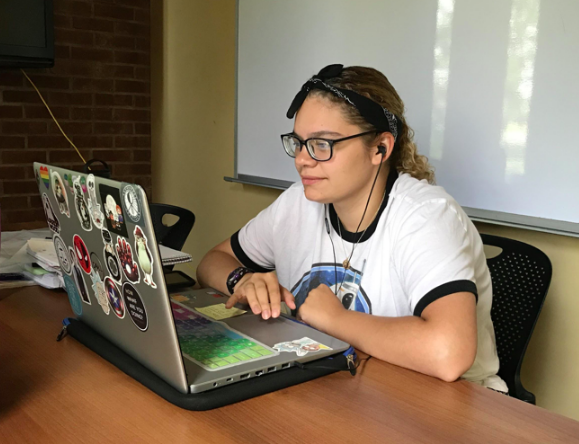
(173, 257)
(45, 271)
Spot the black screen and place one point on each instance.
(22, 23)
(26, 33)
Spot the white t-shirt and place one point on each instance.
(422, 246)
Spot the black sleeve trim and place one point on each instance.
(243, 258)
(445, 290)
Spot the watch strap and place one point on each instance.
(235, 276)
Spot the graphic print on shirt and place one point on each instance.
(351, 294)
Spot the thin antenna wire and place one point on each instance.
(52, 115)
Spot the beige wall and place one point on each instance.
(193, 92)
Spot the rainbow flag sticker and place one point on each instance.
(45, 176)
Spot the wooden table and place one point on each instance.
(64, 393)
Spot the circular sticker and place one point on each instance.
(82, 255)
(115, 298)
(130, 200)
(107, 236)
(73, 296)
(112, 263)
(135, 307)
(97, 266)
(62, 254)
(81, 285)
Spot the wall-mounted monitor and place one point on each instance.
(26, 34)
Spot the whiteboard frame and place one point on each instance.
(551, 226)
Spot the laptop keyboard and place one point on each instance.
(214, 345)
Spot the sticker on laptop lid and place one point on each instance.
(62, 254)
(80, 284)
(51, 218)
(144, 256)
(115, 299)
(94, 207)
(131, 202)
(107, 238)
(219, 312)
(82, 255)
(81, 205)
(125, 256)
(73, 296)
(44, 176)
(301, 346)
(112, 263)
(60, 194)
(98, 286)
(115, 219)
(97, 266)
(135, 307)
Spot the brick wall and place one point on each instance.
(99, 90)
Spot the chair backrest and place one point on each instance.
(520, 275)
(173, 236)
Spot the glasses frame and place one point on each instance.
(331, 142)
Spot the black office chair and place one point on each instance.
(173, 236)
(521, 275)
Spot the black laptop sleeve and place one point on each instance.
(213, 398)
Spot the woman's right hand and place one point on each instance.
(263, 293)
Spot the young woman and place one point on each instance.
(366, 248)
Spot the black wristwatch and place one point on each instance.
(235, 276)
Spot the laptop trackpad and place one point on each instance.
(273, 331)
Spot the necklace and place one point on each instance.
(346, 263)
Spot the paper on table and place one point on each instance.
(219, 312)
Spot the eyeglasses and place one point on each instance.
(319, 149)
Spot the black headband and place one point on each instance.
(372, 112)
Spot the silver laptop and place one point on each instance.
(113, 275)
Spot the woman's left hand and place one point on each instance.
(321, 309)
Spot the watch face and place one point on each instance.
(131, 203)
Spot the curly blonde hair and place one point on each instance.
(373, 84)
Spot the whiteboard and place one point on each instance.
(491, 89)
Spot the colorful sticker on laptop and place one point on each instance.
(112, 263)
(62, 254)
(78, 279)
(94, 207)
(115, 298)
(73, 296)
(179, 298)
(301, 346)
(98, 287)
(144, 256)
(60, 193)
(44, 176)
(125, 256)
(68, 181)
(82, 255)
(114, 216)
(107, 238)
(51, 218)
(135, 307)
(131, 202)
(81, 205)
